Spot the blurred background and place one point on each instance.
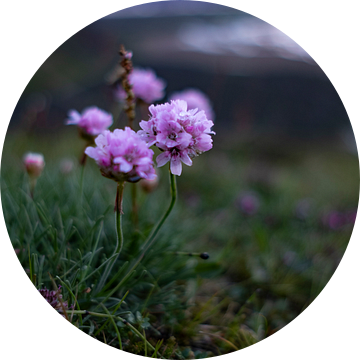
(257, 78)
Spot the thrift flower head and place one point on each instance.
(34, 164)
(92, 122)
(195, 99)
(122, 156)
(145, 85)
(180, 133)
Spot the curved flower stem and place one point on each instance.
(149, 241)
(151, 238)
(135, 216)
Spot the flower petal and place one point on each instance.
(163, 158)
(184, 157)
(175, 166)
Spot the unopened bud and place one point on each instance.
(149, 185)
(34, 164)
(204, 255)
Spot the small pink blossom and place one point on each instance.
(334, 220)
(92, 121)
(34, 164)
(145, 86)
(195, 99)
(122, 156)
(248, 203)
(180, 133)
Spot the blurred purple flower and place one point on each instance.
(195, 99)
(248, 203)
(92, 121)
(54, 298)
(334, 220)
(145, 85)
(122, 156)
(182, 134)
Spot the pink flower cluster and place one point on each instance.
(93, 121)
(34, 164)
(182, 134)
(195, 99)
(122, 156)
(146, 86)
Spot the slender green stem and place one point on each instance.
(134, 214)
(151, 237)
(118, 213)
(32, 186)
(82, 182)
(149, 241)
(119, 236)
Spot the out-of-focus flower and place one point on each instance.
(195, 99)
(54, 298)
(145, 86)
(334, 220)
(122, 156)
(149, 185)
(180, 133)
(91, 122)
(66, 166)
(34, 164)
(248, 203)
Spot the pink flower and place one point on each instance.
(334, 220)
(182, 134)
(34, 164)
(195, 99)
(248, 203)
(93, 121)
(146, 86)
(122, 156)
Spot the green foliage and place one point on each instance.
(263, 270)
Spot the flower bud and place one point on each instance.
(149, 186)
(66, 166)
(34, 164)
